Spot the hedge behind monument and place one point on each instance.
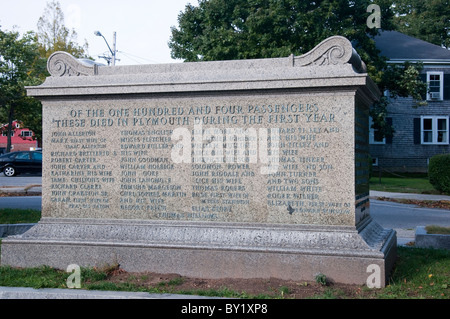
(439, 172)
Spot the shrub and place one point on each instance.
(321, 279)
(439, 172)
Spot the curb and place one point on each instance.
(425, 240)
(375, 194)
(404, 236)
(55, 293)
(29, 189)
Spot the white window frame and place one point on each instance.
(441, 84)
(372, 134)
(434, 129)
(5, 133)
(26, 133)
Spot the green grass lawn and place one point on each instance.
(435, 229)
(19, 216)
(419, 273)
(418, 185)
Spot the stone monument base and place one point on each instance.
(209, 250)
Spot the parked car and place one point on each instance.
(15, 163)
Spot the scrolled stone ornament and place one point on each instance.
(55, 66)
(332, 51)
(63, 64)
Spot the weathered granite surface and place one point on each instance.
(214, 169)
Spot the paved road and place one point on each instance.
(22, 180)
(24, 202)
(394, 215)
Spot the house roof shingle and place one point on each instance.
(398, 46)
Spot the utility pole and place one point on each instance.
(114, 49)
(113, 52)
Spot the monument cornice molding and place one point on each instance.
(312, 239)
(333, 62)
(335, 50)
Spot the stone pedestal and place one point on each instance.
(208, 250)
(243, 169)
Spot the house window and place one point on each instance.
(375, 161)
(27, 133)
(434, 130)
(5, 133)
(375, 136)
(435, 81)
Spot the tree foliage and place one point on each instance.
(427, 20)
(23, 63)
(249, 29)
(54, 36)
(20, 65)
(242, 29)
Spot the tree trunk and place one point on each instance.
(10, 128)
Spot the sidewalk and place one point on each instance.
(32, 189)
(61, 293)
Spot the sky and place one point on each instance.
(142, 26)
